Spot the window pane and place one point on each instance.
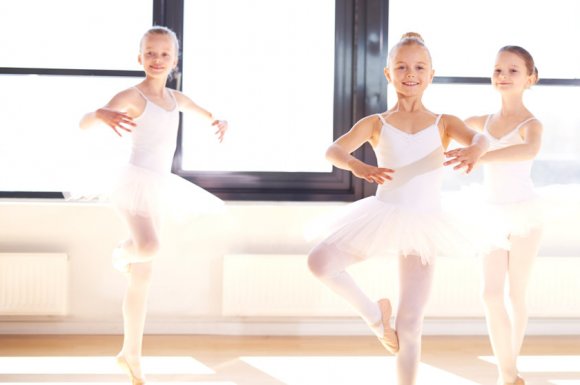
(102, 34)
(559, 158)
(464, 36)
(41, 147)
(270, 74)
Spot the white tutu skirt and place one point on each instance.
(517, 218)
(143, 192)
(371, 227)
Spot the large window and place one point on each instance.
(270, 73)
(290, 76)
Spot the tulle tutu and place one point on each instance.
(140, 191)
(371, 227)
(103, 173)
(517, 218)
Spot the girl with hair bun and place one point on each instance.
(515, 137)
(405, 216)
(149, 112)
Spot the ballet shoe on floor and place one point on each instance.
(389, 339)
(518, 381)
(124, 365)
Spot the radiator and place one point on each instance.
(33, 284)
(263, 285)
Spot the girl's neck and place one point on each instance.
(155, 86)
(512, 105)
(406, 104)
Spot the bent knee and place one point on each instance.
(318, 261)
(148, 248)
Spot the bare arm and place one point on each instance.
(339, 152)
(476, 144)
(118, 113)
(187, 105)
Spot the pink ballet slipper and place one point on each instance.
(389, 339)
(518, 381)
(124, 365)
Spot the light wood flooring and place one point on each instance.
(223, 360)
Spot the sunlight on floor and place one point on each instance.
(343, 370)
(544, 364)
(120, 383)
(99, 365)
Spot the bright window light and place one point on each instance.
(99, 365)
(466, 45)
(41, 138)
(102, 34)
(544, 364)
(270, 73)
(343, 370)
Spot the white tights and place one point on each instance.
(143, 245)
(507, 323)
(329, 264)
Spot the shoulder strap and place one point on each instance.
(524, 122)
(438, 119)
(141, 92)
(170, 90)
(486, 122)
(382, 119)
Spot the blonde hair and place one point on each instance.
(161, 30)
(525, 56)
(408, 38)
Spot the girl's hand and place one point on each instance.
(465, 157)
(222, 127)
(116, 120)
(370, 173)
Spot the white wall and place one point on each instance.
(187, 290)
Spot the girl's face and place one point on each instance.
(158, 55)
(510, 73)
(409, 70)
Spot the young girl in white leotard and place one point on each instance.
(150, 113)
(515, 137)
(405, 215)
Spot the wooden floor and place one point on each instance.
(222, 360)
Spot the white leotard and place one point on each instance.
(418, 161)
(507, 182)
(154, 138)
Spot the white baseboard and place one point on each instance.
(281, 327)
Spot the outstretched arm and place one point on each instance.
(476, 144)
(188, 105)
(117, 114)
(339, 152)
